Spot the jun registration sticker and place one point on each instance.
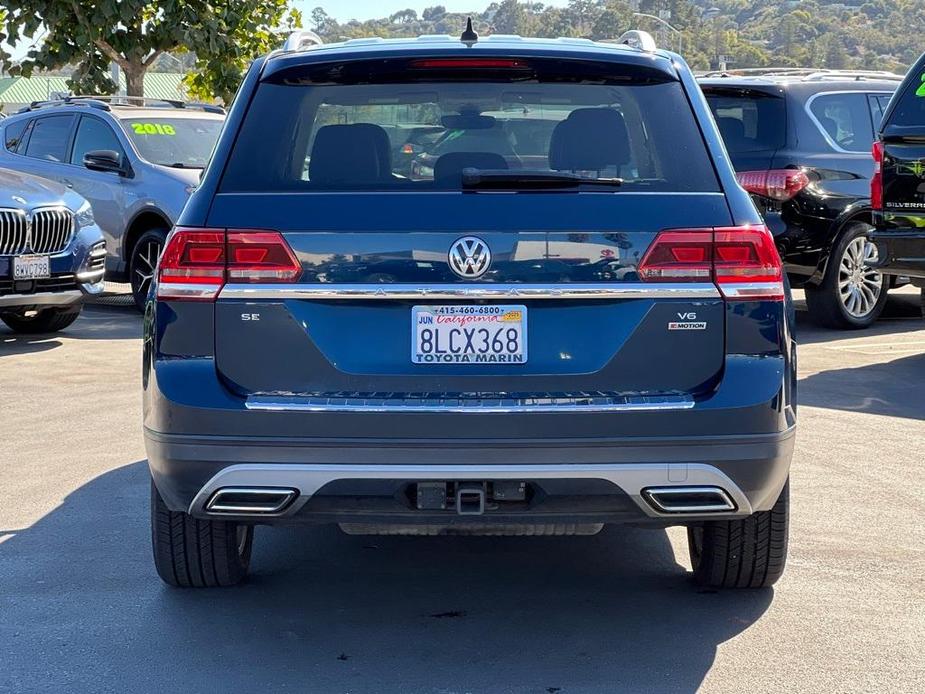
(469, 334)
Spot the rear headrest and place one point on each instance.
(732, 130)
(590, 139)
(350, 154)
(830, 125)
(449, 167)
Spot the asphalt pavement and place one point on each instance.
(81, 609)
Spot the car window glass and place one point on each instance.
(910, 104)
(876, 110)
(49, 138)
(12, 134)
(846, 119)
(92, 133)
(748, 121)
(347, 136)
(177, 142)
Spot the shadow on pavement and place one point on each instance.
(893, 388)
(900, 315)
(325, 612)
(95, 323)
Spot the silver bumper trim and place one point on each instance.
(631, 478)
(424, 404)
(65, 298)
(393, 292)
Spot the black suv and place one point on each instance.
(800, 142)
(898, 185)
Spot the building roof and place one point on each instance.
(25, 90)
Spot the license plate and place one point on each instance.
(469, 334)
(30, 267)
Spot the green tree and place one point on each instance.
(90, 34)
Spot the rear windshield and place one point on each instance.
(177, 142)
(910, 107)
(749, 121)
(422, 135)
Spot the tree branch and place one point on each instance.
(111, 53)
(151, 58)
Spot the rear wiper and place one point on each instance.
(505, 179)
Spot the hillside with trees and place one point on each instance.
(870, 34)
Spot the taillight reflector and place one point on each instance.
(742, 261)
(196, 263)
(777, 184)
(876, 181)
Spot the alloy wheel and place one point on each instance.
(859, 285)
(144, 267)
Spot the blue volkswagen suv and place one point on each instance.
(576, 317)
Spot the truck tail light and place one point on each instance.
(776, 184)
(196, 263)
(876, 181)
(742, 261)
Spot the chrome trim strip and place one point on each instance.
(534, 405)
(749, 290)
(632, 478)
(408, 292)
(725, 504)
(181, 290)
(90, 275)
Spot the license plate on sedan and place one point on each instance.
(31, 267)
(469, 334)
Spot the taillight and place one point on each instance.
(876, 181)
(679, 256)
(192, 266)
(777, 184)
(260, 256)
(742, 261)
(196, 263)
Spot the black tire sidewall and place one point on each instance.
(48, 320)
(825, 301)
(158, 235)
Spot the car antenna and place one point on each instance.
(469, 36)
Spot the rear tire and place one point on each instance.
(192, 553)
(143, 264)
(47, 320)
(852, 294)
(744, 553)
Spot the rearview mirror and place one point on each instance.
(104, 160)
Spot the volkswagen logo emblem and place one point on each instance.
(469, 257)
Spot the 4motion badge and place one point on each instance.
(687, 321)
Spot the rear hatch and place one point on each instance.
(575, 297)
(902, 152)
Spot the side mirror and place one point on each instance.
(104, 160)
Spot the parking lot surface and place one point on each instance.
(81, 609)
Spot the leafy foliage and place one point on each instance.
(135, 33)
(871, 34)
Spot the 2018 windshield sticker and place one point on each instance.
(153, 129)
(921, 90)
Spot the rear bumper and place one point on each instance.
(750, 469)
(901, 251)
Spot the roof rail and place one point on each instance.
(90, 102)
(301, 40)
(640, 40)
(145, 101)
(806, 73)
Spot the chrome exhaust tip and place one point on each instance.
(244, 501)
(689, 499)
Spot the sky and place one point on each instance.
(344, 10)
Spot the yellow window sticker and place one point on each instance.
(153, 129)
